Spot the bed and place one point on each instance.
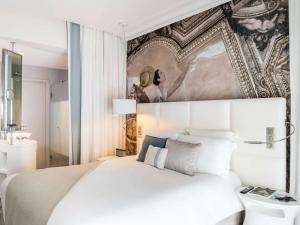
(125, 191)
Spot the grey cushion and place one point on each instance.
(149, 140)
(182, 157)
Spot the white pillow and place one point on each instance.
(213, 133)
(156, 157)
(173, 134)
(215, 153)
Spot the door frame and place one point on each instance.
(47, 110)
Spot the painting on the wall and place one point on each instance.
(237, 50)
(157, 75)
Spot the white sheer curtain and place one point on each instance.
(103, 79)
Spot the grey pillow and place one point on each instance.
(182, 157)
(149, 140)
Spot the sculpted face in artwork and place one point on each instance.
(152, 87)
(258, 25)
(260, 20)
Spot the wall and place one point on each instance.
(236, 50)
(55, 77)
(58, 80)
(294, 6)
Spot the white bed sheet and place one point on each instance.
(3, 188)
(123, 191)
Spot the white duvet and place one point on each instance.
(123, 191)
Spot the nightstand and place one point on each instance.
(267, 211)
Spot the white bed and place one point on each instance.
(123, 191)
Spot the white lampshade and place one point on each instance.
(124, 106)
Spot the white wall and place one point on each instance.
(53, 76)
(294, 8)
(60, 91)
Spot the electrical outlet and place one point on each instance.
(270, 137)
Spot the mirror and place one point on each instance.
(11, 89)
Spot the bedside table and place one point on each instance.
(266, 211)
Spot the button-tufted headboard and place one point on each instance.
(248, 118)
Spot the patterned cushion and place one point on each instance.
(156, 157)
(182, 157)
(149, 140)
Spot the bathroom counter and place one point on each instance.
(18, 157)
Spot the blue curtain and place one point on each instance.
(74, 91)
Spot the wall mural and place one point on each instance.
(237, 50)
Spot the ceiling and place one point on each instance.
(141, 16)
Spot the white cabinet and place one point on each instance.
(19, 157)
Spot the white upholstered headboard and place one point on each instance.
(255, 164)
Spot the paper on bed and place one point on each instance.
(126, 192)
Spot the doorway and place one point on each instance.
(35, 116)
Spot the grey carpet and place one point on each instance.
(57, 160)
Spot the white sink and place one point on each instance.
(19, 135)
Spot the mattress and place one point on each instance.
(123, 191)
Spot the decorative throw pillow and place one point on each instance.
(156, 157)
(149, 140)
(167, 133)
(182, 157)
